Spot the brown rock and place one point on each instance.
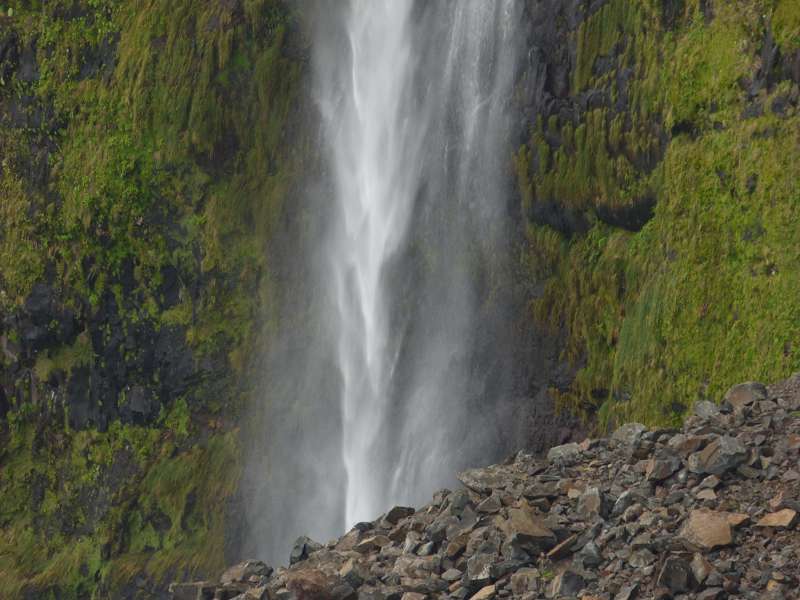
(745, 394)
(684, 445)
(590, 504)
(701, 568)
(309, 584)
(485, 593)
(783, 519)
(244, 570)
(706, 529)
(736, 519)
(371, 544)
(706, 495)
(397, 513)
(524, 526)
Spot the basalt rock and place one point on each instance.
(696, 513)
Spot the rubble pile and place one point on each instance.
(710, 511)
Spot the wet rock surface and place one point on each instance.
(711, 511)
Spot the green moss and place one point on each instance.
(165, 125)
(703, 295)
(786, 24)
(186, 486)
(65, 359)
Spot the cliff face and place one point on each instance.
(144, 172)
(150, 158)
(658, 190)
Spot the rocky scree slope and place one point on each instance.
(710, 511)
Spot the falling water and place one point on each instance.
(394, 373)
(414, 118)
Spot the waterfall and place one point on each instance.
(415, 119)
(402, 376)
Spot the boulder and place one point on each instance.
(244, 570)
(662, 465)
(706, 410)
(629, 434)
(782, 519)
(303, 547)
(564, 453)
(723, 454)
(745, 394)
(676, 575)
(397, 513)
(527, 530)
(706, 530)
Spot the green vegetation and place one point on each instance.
(705, 293)
(145, 138)
(86, 512)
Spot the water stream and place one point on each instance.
(395, 371)
(415, 121)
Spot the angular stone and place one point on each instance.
(413, 596)
(309, 584)
(353, 574)
(721, 455)
(191, 591)
(684, 445)
(745, 394)
(256, 593)
(629, 434)
(706, 410)
(479, 569)
(484, 593)
(525, 528)
(303, 547)
(452, 575)
(676, 575)
(244, 570)
(397, 513)
(627, 592)
(564, 453)
(706, 495)
(711, 482)
(524, 581)
(590, 503)
(736, 519)
(662, 465)
(701, 568)
(706, 529)
(783, 519)
(371, 544)
(483, 481)
(568, 583)
(456, 546)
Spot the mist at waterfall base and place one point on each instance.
(394, 369)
